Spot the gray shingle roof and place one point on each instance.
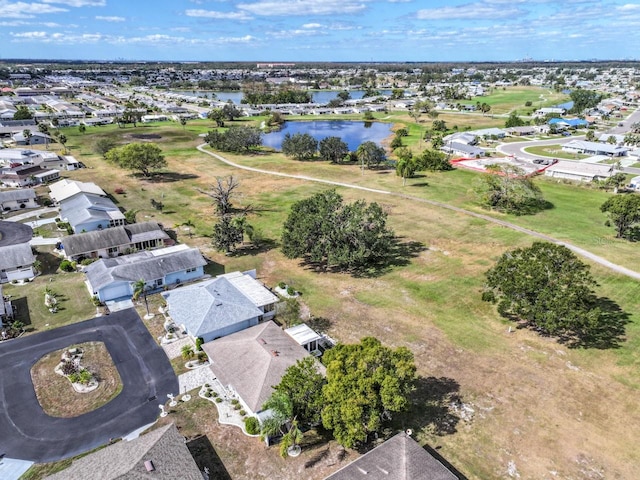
(124, 460)
(13, 256)
(253, 360)
(399, 458)
(208, 306)
(147, 265)
(13, 195)
(86, 206)
(112, 237)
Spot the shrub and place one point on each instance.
(215, 394)
(67, 266)
(282, 285)
(119, 190)
(69, 368)
(202, 357)
(236, 407)
(402, 132)
(199, 342)
(242, 412)
(235, 401)
(206, 385)
(251, 425)
(291, 291)
(207, 394)
(218, 399)
(88, 261)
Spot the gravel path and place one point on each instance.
(580, 251)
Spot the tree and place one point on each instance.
(183, 122)
(82, 128)
(230, 111)
(485, 108)
(584, 99)
(235, 139)
(509, 190)
(366, 384)
(26, 133)
(222, 193)
(406, 165)
(300, 146)
(140, 288)
(545, 286)
(130, 116)
(439, 126)
(322, 230)
(281, 422)
(370, 155)
(513, 121)
(22, 113)
(302, 383)
(433, 160)
(217, 115)
(227, 234)
(333, 149)
(590, 136)
(624, 213)
(141, 157)
(62, 138)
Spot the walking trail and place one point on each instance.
(580, 251)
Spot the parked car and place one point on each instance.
(566, 134)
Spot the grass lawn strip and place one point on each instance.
(55, 392)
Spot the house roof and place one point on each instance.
(112, 237)
(210, 305)
(581, 168)
(88, 206)
(13, 256)
(594, 146)
(253, 360)
(148, 265)
(246, 283)
(14, 195)
(399, 458)
(303, 334)
(164, 447)
(66, 188)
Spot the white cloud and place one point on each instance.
(217, 15)
(79, 3)
(628, 7)
(26, 10)
(312, 25)
(29, 35)
(110, 19)
(303, 7)
(484, 10)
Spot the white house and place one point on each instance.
(17, 199)
(16, 262)
(579, 171)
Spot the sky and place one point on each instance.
(319, 30)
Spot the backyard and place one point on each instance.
(521, 399)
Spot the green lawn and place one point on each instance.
(554, 151)
(506, 99)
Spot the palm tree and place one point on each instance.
(282, 423)
(140, 288)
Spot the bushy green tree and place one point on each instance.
(509, 190)
(370, 154)
(545, 286)
(301, 146)
(513, 121)
(22, 113)
(322, 229)
(624, 213)
(140, 157)
(366, 384)
(235, 139)
(434, 160)
(302, 383)
(333, 149)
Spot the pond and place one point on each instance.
(352, 133)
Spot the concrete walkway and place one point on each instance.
(44, 241)
(227, 415)
(195, 378)
(580, 251)
(31, 213)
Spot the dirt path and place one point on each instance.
(580, 251)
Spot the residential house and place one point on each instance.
(112, 242)
(113, 278)
(221, 306)
(86, 212)
(543, 112)
(160, 454)
(17, 199)
(634, 183)
(605, 137)
(462, 149)
(579, 171)
(35, 138)
(250, 362)
(399, 458)
(16, 262)
(594, 148)
(66, 188)
(520, 131)
(27, 175)
(306, 337)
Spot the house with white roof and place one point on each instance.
(66, 188)
(17, 199)
(579, 171)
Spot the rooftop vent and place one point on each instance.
(148, 464)
(275, 353)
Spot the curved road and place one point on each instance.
(13, 233)
(580, 251)
(27, 432)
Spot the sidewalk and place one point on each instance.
(31, 213)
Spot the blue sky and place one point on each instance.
(319, 30)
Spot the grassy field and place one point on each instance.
(528, 399)
(554, 151)
(507, 99)
(55, 393)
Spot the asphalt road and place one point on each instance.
(13, 233)
(27, 433)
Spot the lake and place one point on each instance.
(321, 97)
(352, 133)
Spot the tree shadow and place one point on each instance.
(21, 311)
(319, 324)
(49, 262)
(206, 456)
(252, 249)
(433, 403)
(399, 255)
(608, 332)
(168, 177)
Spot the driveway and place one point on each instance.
(147, 377)
(13, 233)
